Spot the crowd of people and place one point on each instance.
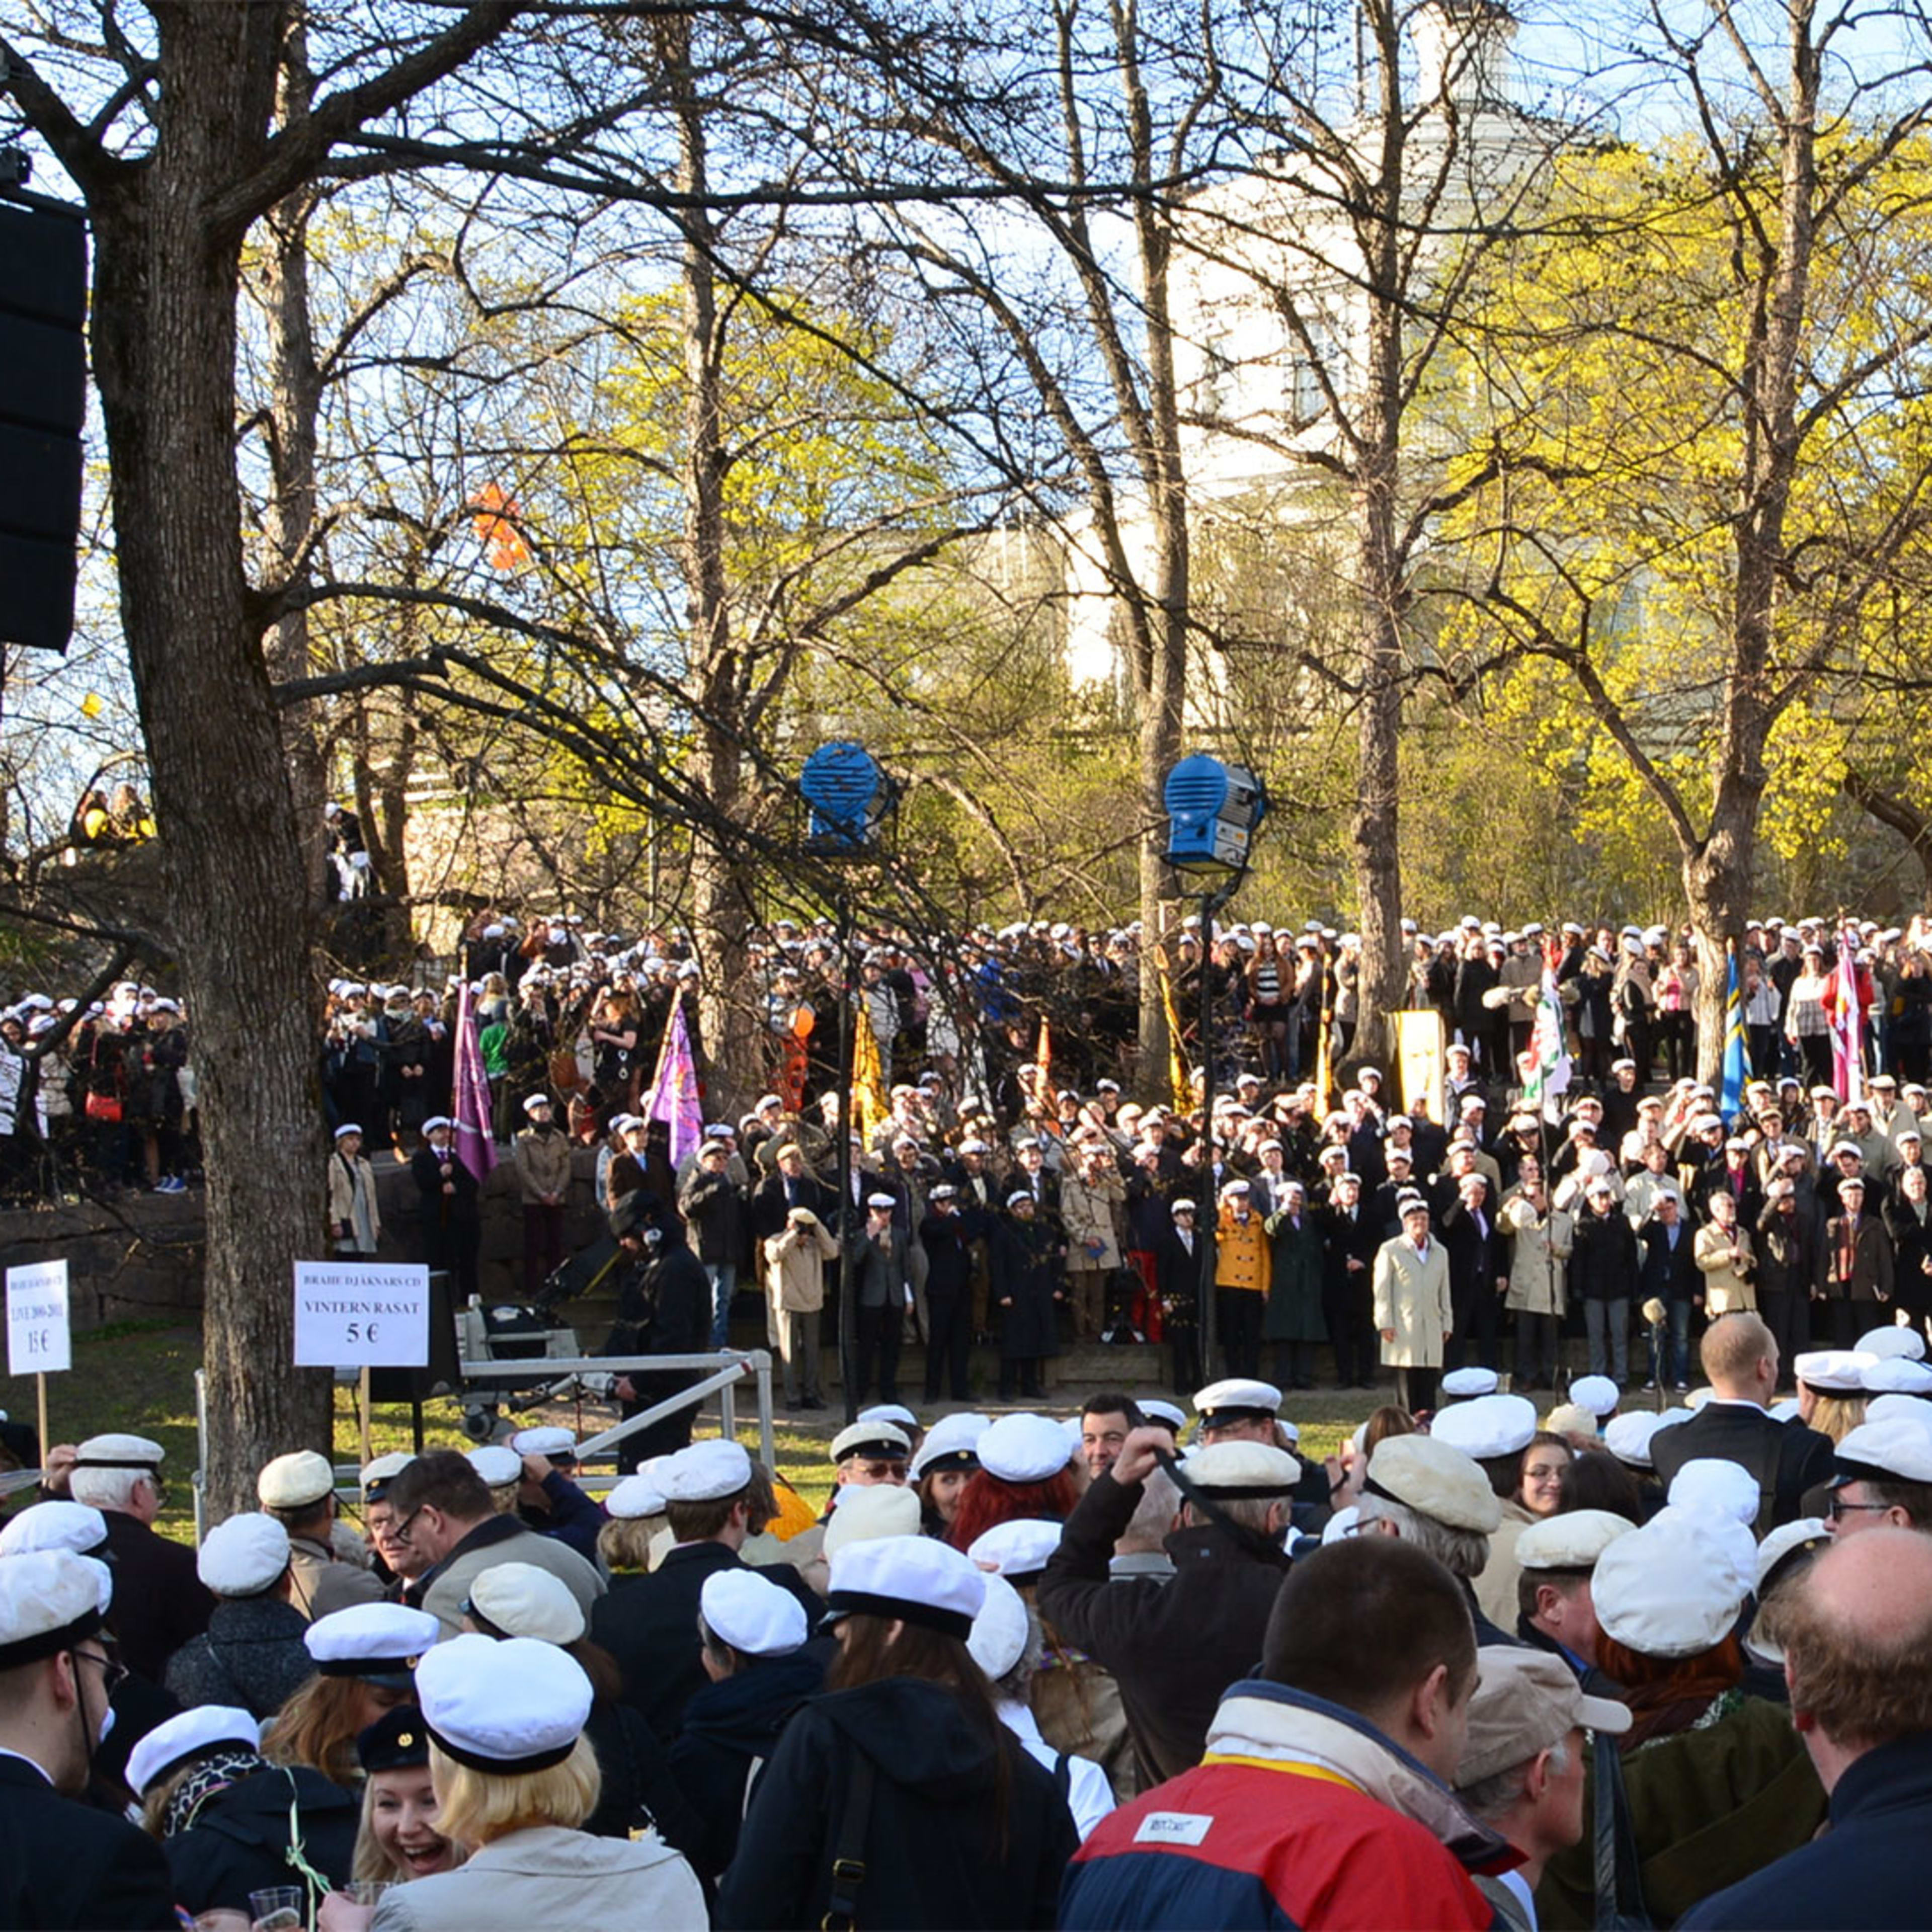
(1133, 1667)
(1003, 1189)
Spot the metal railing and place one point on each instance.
(731, 1369)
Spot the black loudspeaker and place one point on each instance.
(42, 407)
(439, 1376)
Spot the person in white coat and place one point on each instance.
(1413, 1312)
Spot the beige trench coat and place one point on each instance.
(1541, 1247)
(1726, 1291)
(1412, 1293)
(795, 1270)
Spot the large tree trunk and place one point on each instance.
(295, 404)
(163, 343)
(723, 903)
(1166, 617)
(1375, 824)
(1381, 586)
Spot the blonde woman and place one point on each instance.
(514, 1777)
(398, 1840)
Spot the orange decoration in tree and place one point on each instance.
(497, 529)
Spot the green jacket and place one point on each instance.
(1708, 1807)
(1294, 1313)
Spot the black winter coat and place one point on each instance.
(1022, 1273)
(728, 1726)
(444, 1217)
(1787, 1253)
(1603, 1258)
(1670, 1274)
(1174, 1646)
(66, 1867)
(160, 1601)
(717, 1214)
(251, 1654)
(935, 1853)
(636, 1778)
(1911, 1245)
(948, 1239)
(239, 1839)
(650, 1625)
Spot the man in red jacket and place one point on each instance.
(1323, 1799)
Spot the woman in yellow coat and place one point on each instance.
(1240, 1280)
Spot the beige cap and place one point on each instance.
(292, 1481)
(1571, 1541)
(870, 1509)
(1571, 1418)
(1435, 1480)
(521, 1600)
(1526, 1701)
(1251, 1469)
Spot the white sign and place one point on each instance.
(359, 1315)
(38, 1341)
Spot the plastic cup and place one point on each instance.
(281, 1908)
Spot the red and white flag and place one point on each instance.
(1847, 1015)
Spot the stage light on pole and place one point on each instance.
(1213, 811)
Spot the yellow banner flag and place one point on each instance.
(1324, 1035)
(1418, 1060)
(1182, 1086)
(870, 1108)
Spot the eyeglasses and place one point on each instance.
(883, 1472)
(399, 1532)
(113, 1672)
(1838, 1508)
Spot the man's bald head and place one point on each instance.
(1736, 1351)
(1856, 1633)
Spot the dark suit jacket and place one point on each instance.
(160, 1601)
(1787, 1458)
(649, 1625)
(65, 1865)
(1343, 1240)
(1868, 1277)
(1669, 1273)
(770, 1205)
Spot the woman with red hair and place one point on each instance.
(1022, 1473)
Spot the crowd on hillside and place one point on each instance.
(1007, 1189)
(580, 1012)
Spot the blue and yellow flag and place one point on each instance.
(1731, 1101)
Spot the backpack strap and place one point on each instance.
(1619, 1898)
(848, 1852)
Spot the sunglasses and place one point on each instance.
(113, 1672)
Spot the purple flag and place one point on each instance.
(475, 1143)
(674, 1096)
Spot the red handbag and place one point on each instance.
(105, 1107)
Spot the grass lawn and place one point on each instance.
(140, 1376)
